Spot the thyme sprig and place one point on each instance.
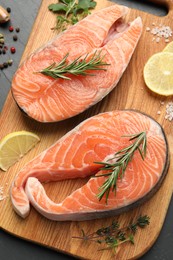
(117, 169)
(113, 235)
(77, 67)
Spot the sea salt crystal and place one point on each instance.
(161, 31)
(169, 111)
(2, 197)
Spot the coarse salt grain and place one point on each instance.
(2, 197)
(169, 111)
(161, 31)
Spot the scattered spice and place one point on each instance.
(10, 62)
(17, 29)
(5, 64)
(4, 51)
(169, 111)
(2, 40)
(1, 66)
(15, 38)
(13, 49)
(8, 10)
(11, 29)
(114, 235)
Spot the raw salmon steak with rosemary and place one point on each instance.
(77, 155)
(48, 99)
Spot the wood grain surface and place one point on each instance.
(130, 92)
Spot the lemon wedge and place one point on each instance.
(158, 73)
(14, 146)
(169, 47)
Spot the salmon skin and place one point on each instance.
(73, 156)
(46, 99)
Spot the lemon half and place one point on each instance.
(158, 73)
(14, 146)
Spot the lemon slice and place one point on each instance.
(13, 147)
(169, 47)
(158, 73)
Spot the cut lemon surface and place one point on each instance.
(158, 73)
(14, 146)
(169, 47)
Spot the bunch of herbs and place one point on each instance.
(70, 11)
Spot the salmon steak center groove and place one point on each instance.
(47, 99)
(74, 155)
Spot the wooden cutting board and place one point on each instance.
(131, 92)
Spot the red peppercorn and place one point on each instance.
(5, 47)
(11, 29)
(13, 50)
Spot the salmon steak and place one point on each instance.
(76, 155)
(47, 99)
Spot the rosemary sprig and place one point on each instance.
(77, 67)
(122, 158)
(113, 235)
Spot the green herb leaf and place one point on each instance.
(57, 8)
(114, 235)
(86, 4)
(72, 10)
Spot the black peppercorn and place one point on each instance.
(1, 66)
(0, 51)
(15, 38)
(5, 64)
(17, 29)
(8, 10)
(4, 51)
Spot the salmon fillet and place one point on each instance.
(46, 99)
(74, 155)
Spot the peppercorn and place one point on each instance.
(11, 29)
(15, 38)
(1, 36)
(4, 51)
(1, 66)
(8, 10)
(10, 62)
(2, 41)
(17, 29)
(13, 50)
(0, 52)
(5, 47)
(5, 64)
(1, 45)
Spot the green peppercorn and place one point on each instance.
(10, 62)
(1, 36)
(2, 41)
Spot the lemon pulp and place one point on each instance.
(14, 146)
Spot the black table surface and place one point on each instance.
(23, 14)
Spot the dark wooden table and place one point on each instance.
(23, 14)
